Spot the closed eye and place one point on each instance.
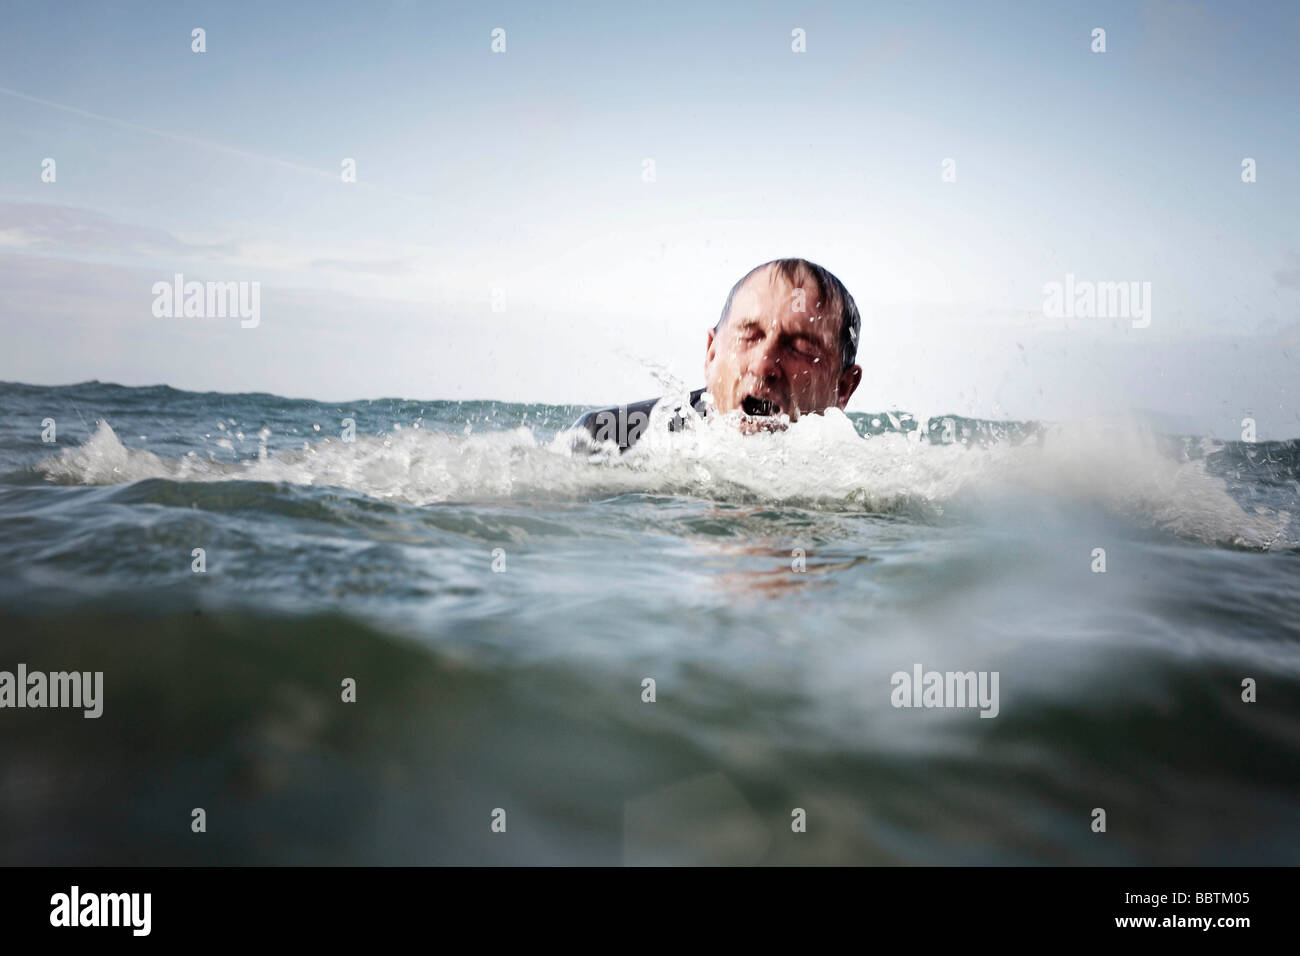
(807, 347)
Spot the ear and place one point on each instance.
(850, 378)
(709, 350)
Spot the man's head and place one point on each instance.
(785, 344)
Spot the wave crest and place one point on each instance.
(821, 462)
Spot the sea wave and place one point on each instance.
(820, 462)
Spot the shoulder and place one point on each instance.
(625, 423)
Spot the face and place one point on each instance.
(778, 352)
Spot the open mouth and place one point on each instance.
(759, 406)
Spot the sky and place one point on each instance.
(561, 222)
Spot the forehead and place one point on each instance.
(770, 298)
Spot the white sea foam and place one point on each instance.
(819, 462)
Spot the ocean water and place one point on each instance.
(501, 598)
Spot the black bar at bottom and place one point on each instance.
(329, 905)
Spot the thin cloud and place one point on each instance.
(41, 227)
(71, 231)
(374, 267)
(204, 144)
(1289, 278)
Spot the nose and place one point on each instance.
(766, 365)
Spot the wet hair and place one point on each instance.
(830, 293)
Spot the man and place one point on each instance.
(783, 348)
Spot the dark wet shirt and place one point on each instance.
(624, 424)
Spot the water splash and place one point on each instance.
(821, 462)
